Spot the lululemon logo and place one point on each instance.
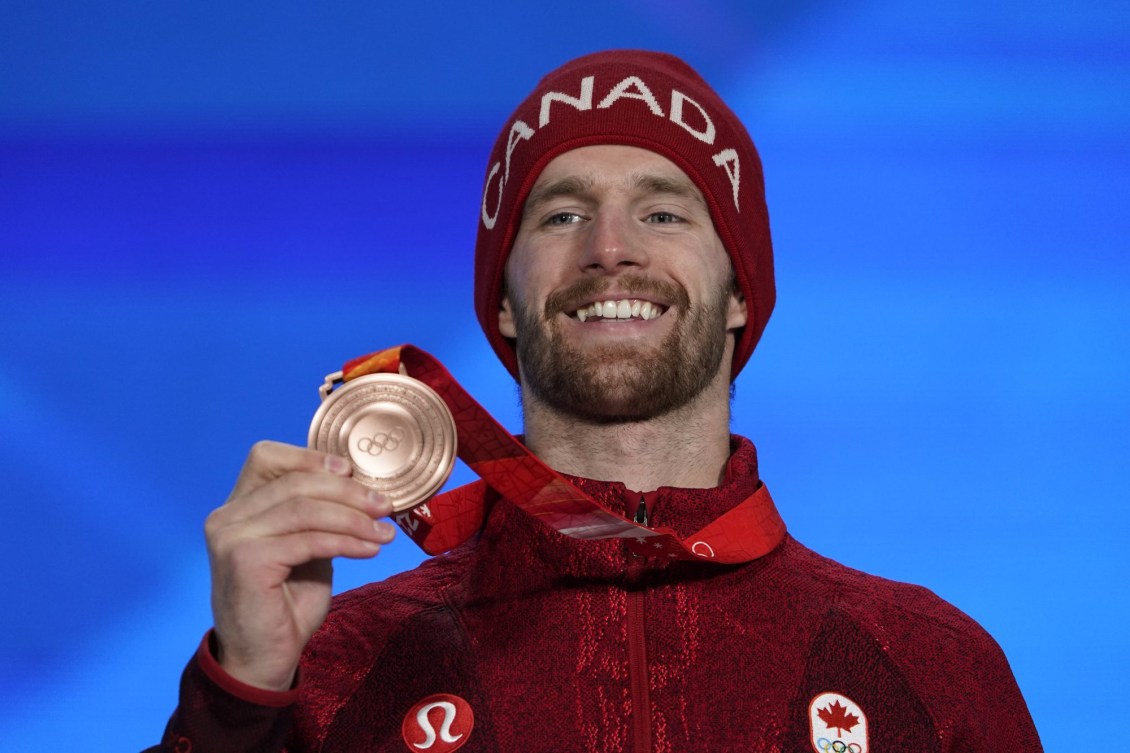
(439, 723)
(380, 442)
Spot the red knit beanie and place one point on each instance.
(635, 98)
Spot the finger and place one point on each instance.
(302, 549)
(269, 460)
(270, 561)
(299, 515)
(298, 485)
(291, 516)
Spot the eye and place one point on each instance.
(664, 218)
(562, 218)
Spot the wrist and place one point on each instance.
(241, 684)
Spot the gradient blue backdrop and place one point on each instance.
(205, 207)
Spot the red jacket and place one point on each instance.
(555, 644)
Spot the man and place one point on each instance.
(624, 275)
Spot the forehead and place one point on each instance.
(609, 166)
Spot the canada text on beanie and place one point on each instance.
(633, 98)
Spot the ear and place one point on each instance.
(736, 315)
(506, 319)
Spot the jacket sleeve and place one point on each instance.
(998, 721)
(219, 714)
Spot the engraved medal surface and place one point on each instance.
(397, 432)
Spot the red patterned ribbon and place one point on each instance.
(744, 533)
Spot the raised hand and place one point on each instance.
(292, 510)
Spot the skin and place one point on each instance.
(605, 221)
(613, 218)
(270, 545)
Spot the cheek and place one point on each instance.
(705, 271)
(531, 277)
(518, 275)
(721, 269)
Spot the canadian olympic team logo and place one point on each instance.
(836, 724)
(439, 723)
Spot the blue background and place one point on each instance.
(205, 207)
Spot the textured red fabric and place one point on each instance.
(533, 630)
(635, 98)
(219, 713)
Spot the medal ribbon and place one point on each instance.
(751, 529)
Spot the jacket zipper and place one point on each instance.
(637, 658)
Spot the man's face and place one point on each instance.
(619, 291)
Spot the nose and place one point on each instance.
(612, 245)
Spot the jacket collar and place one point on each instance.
(512, 542)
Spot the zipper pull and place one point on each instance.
(641, 513)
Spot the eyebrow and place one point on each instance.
(648, 183)
(570, 186)
(675, 186)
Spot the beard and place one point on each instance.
(625, 382)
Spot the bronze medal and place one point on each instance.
(397, 432)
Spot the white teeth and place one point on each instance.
(622, 309)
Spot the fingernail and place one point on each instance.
(386, 530)
(378, 500)
(337, 464)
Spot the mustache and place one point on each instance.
(583, 291)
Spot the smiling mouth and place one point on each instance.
(623, 309)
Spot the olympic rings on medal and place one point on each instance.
(838, 746)
(381, 442)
